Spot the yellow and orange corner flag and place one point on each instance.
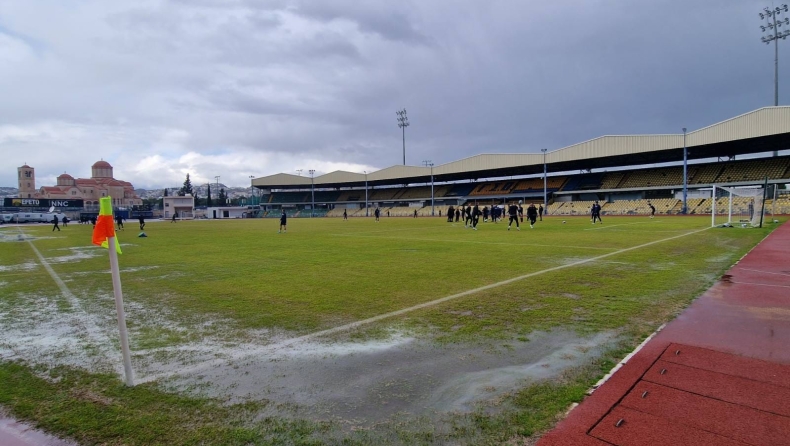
(105, 226)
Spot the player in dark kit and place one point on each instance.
(377, 213)
(540, 211)
(475, 217)
(520, 212)
(468, 216)
(485, 213)
(512, 211)
(119, 222)
(283, 221)
(532, 215)
(141, 219)
(596, 212)
(55, 223)
(345, 215)
(652, 210)
(450, 214)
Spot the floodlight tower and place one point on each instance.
(252, 201)
(312, 190)
(773, 36)
(403, 122)
(685, 173)
(429, 163)
(366, 193)
(545, 195)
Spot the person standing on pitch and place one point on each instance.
(55, 223)
(415, 213)
(119, 222)
(485, 213)
(377, 213)
(596, 212)
(475, 217)
(512, 211)
(345, 215)
(450, 214)
(468, 217)
(540, 211)
(532, 215)
(283, 222)
(457, 215)
(520, 211)
(652, 209)
(141, 219)
(173, 220)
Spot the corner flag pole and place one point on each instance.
(116, 289)
(104, 236)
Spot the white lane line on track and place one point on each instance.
(473, 241)
(622, 224)
(90, 328)
(763, 272)
(352, 325)
(760, 284)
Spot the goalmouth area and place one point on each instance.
(403, 331)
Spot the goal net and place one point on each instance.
(740, 207)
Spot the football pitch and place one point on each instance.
(403, 331)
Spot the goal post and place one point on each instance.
(741, 206)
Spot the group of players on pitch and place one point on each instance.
(515, 212)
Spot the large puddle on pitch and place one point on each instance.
(357, 383)
(370, 382)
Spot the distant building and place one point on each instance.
(27, 181)
(182, 207)
(90, 190)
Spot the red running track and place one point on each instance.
(719, 374)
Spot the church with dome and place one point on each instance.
(90, 190)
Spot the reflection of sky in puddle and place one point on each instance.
(363, 382)
(27, 266)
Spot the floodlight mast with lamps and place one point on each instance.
(774, 35)
(545, 195)
(403, 122)
(312, 190)
(685, 174)
(366, 193)
(217, 178)
(429, 163)
(252, 200)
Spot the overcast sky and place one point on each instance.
(238, 88)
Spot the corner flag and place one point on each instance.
(105, 226)
(104, 236)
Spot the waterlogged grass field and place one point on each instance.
(212, 303)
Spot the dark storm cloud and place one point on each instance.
(245, 87)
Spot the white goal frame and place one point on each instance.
(757, 210)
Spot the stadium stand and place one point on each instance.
(639, 207)
(780, 206)
(720, 173)
(705, 174)
(753, 170)
(460, 190)
(666, 176)
(351, 195)
(384, 194)
(572, 208)
(612, 179)
(585, 181)
(536, 185)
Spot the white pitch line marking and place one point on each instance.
(352, 325)
(472, 241)
(622, 224)
(91, 329)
